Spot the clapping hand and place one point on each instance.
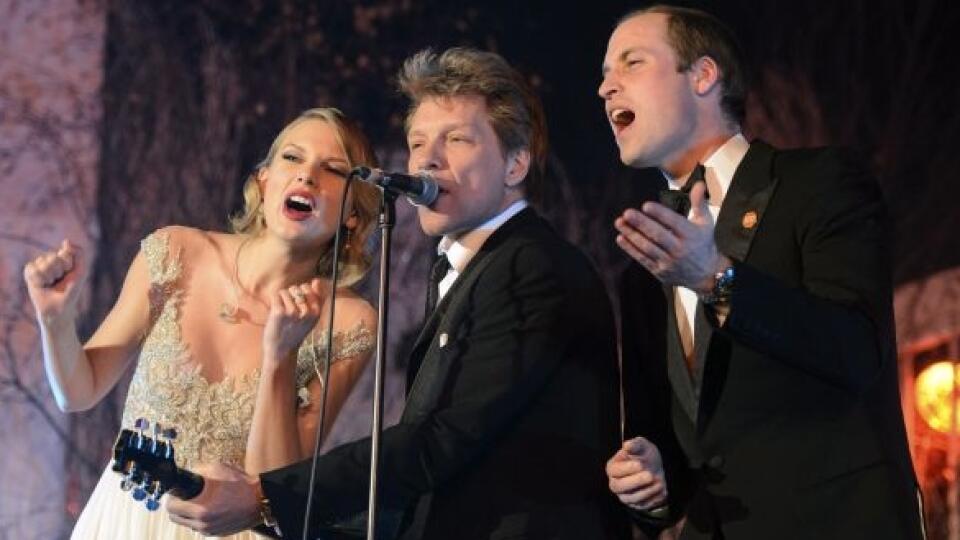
(678, 251)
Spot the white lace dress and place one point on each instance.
(212, 418)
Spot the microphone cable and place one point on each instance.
(325, 381)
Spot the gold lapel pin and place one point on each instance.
(749, 220)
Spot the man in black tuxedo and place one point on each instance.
(513, 396)
(759, 361)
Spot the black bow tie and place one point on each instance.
(437, 272)
(678, 200)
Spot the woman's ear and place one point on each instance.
(518, 164)
(352, 220)
(262, 180)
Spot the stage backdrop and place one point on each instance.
(119, 117)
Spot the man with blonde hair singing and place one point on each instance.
(513, 394)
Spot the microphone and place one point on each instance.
(421, 189)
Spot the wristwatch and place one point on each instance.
(722, 288)
(266, 512)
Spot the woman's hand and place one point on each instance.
(53, 282)
(294, 312)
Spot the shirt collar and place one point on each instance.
(720, 167)
(462, 249)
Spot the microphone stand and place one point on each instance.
(386, 221)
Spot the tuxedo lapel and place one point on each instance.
(746, 201)
(743, 208)
(525, 216)
(741, 215)
(427, 368)
(427, 331)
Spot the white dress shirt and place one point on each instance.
(461, 250)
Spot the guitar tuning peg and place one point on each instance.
(157, 431)
(156, 491)
(145, 487)
(146, 462)
(141, 425)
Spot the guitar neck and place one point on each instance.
(186, 484)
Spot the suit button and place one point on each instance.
(715, 462)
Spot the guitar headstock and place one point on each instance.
(147, 462)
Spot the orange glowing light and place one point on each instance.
(936, 384)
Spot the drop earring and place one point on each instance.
(348, 240)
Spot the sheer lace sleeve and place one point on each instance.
(163, 270)
(351, 343)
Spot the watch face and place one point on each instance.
(722, 288)
(726, 278)
(724, 285)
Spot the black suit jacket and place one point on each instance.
(790, 426)
(511, 414)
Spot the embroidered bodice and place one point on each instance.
(212, 419)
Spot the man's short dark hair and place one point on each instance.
(694, 34)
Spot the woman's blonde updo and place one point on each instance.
(355, 257)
